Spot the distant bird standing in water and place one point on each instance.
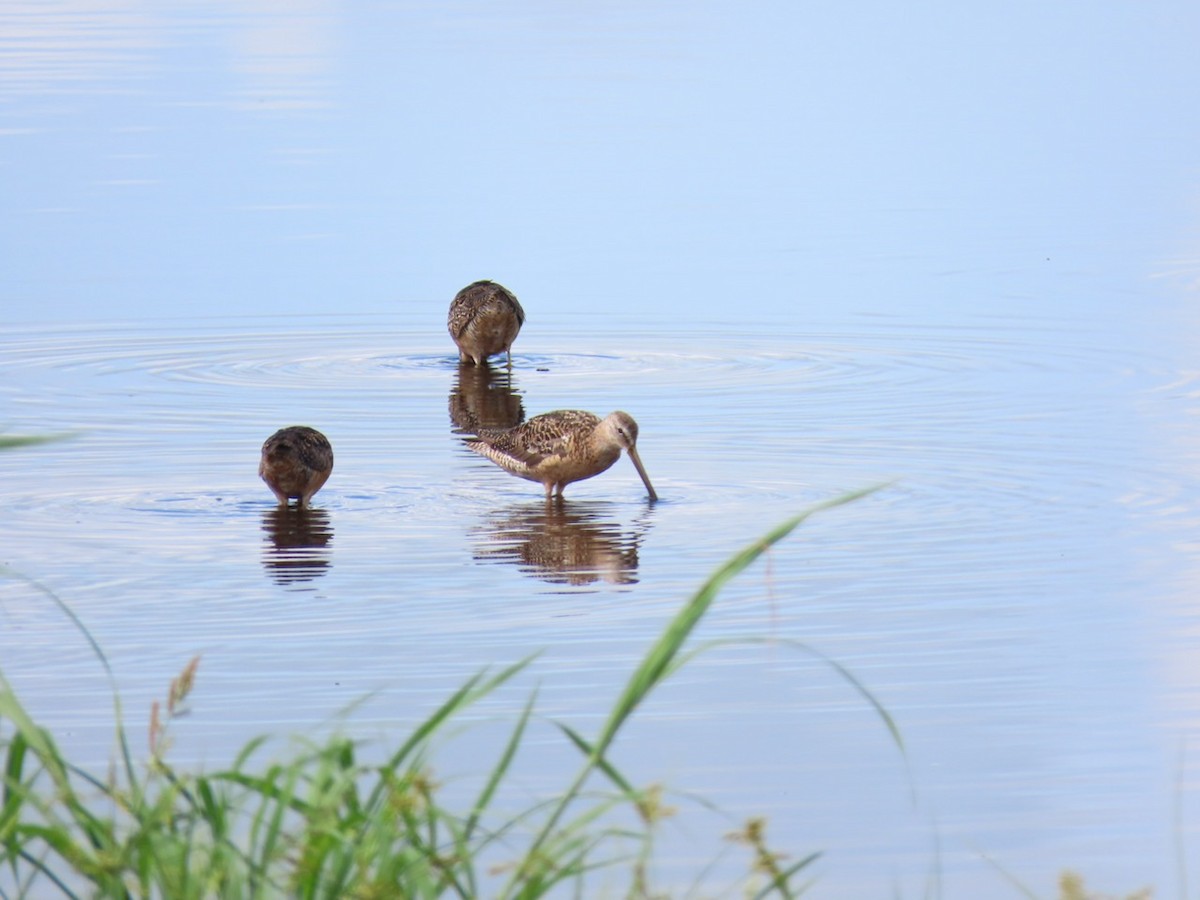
(484, 319)
(296, 462)
(560, 447)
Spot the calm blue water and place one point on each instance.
(951, 250)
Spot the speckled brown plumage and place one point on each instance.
(561, 543)
(560, 447)
(296, 462)
(484, 319)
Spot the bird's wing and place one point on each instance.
(523, 444)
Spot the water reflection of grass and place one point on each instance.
(325, 823)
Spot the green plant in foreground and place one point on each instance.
(325, 824)
(13, 441)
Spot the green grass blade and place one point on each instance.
(1008, 876)
(265, 787)
(39, 867)
(14, 767)
(780, 882)
(35, 738)
(657, 662)
(602, 764)
(13, 441)
(500, 769)
(845, 674)
(475, 688)
(122, 741)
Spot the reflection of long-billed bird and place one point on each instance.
(560, 447)
(483, 397)
(484, 319)
(296, 462)
(570, 544)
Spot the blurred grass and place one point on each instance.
(13, 441)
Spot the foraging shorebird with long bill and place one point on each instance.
(560, 447)
(484, 319)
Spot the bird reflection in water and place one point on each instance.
(575, 544)
(483, 397)
(297, 544)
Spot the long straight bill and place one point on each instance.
(637, 464)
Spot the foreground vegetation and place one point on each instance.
(325, 824)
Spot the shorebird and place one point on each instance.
(559, 447)
(484, 319)
(296, 462)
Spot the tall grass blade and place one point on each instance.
(845, 674)
(499, 770)
(656, 664)
(602, 764)
(122, 741)
(781, 881)
(12, 441)
(14, 765)
(475, 688)
(657, 661)
(33, 737)
(1008, 876)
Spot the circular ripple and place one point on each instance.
(334, 354)
(729, 397)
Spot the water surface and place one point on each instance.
(808, 255)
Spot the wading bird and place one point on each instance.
(484, 319)
(560, 447)
(296, 462)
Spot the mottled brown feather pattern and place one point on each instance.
(563, 446)
(484, 319)
(296, 462)
(551, 434)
